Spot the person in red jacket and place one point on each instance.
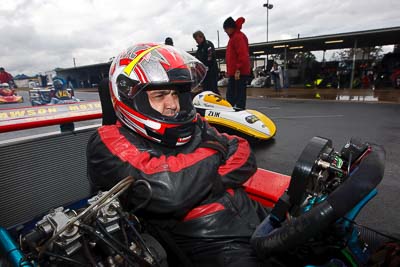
(5, 77)
(198, 205)
(237, 62)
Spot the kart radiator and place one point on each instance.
(41, 173)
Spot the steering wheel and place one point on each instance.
(325, 185)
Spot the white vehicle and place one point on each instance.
(217, 111)
(259, 82)
(223, 82)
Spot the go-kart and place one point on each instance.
(262, 81)
(223, 82)
(251, 124)
(51, 218)
(324, 82)
(8, 94)
(50, 96)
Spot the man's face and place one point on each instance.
(164, 101)
(229, 31)
(199, 39)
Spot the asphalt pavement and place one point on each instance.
(297, 122)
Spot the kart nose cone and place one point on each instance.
(268, 126)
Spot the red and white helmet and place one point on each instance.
(154, 66)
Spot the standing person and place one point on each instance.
(169, 41)
(237, 62)
(198, 203)
(283, 77)
(276, 73)
(5, 77)
(206, 54)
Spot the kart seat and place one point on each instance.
(109, 116)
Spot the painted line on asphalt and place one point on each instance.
(268, 107)
(308, 117)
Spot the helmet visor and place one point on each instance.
(187, 77)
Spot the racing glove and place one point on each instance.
(265, 227)
(212, 139)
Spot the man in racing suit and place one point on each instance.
(196, 174)
(60, 93)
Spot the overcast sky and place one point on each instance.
(40, 35)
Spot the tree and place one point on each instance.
(307, 65)
(306, 58)
(364, 54)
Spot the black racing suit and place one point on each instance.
(206, 54)
(197, 195)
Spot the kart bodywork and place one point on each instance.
(48, 96)
(40, 116)
(260, 82)
(217, 111)
(8, 95)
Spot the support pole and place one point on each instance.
(267, 20)
(218, 37)
(285, 72)
(354, 64)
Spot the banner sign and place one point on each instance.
(46, 115)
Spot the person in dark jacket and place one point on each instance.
(237, 62)
(196, 174)
(206, 54)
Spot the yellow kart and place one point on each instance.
(219, 112)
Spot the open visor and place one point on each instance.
(135, 95)
(190, 75)
(181, 74)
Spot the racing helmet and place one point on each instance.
(4, 85)
(58, 84)
(150, 66)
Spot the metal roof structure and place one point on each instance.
(84, 76)
(368, 38)
(100, 65)
(358, 39)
